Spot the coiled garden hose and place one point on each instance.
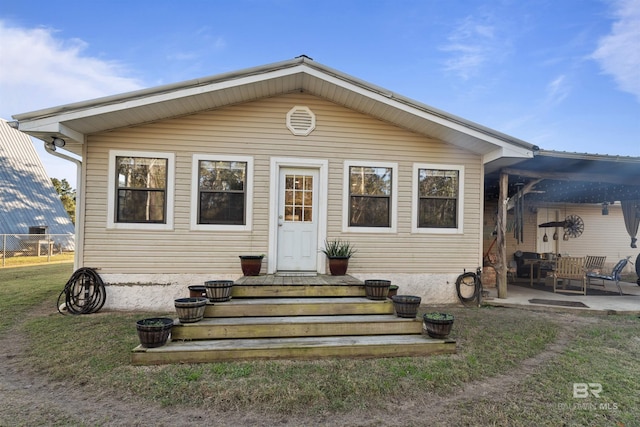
(469, 287)
(84, 293)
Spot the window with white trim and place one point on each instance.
(140, 193)
(371, 191)
(438, 197)
(221, 195)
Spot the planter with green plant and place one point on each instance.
(154, 332)
(438, 325)
(338, 252)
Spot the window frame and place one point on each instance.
(346, 199)
(112, 185)
(195, 191)
(415, 205)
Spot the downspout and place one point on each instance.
(49, 148)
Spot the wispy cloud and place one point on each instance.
(40, 69)
(618, 53)
(557, 90)
(471, 45)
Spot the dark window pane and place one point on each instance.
(221, 208)
(222, 176)
(141, 172)
(370, 181)
(140, 206)
(438, 213)
(222, 186)
(438, 183)
(438, 193)
(369, 211)
(370, 191)
(141, 189)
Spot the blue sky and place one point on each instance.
(561, 74)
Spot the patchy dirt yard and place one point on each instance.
(28, 399)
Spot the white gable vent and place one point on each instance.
(301, 121)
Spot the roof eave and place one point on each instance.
(44, 124)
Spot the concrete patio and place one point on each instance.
(519, 296)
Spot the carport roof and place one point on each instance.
(569, 177)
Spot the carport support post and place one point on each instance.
(501, 270)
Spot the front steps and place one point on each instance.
(294, 318)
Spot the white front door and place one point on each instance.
(297, 219)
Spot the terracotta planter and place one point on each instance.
(406, 305)
(190, 310)
(377, 289)
(154, 332)
(251, 264)
(439, 327)
(338, 265)
(197, 291)
(218, 290)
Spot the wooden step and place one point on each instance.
(297, 307)
(292, 348)
(293, 291)
(295, 326)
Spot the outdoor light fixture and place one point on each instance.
(58, 142)
(605, 208)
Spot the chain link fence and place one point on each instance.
(23, 249)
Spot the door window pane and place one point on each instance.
(298, 203)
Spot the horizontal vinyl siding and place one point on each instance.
(603, 235)
(258, 129)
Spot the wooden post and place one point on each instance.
(501, 267)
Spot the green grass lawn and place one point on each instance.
(492, 343)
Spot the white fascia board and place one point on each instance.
(507, 151)
(40, 129)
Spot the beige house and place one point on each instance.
(177, 181)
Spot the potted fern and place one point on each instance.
(338, 253)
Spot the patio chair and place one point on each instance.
(594, 264)
(613, 277)
(568, 269)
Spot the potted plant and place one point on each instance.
(406, 305)
(393, 290)
(218, 290)
(154, 332)
(377, 289)
(338, 252)
(190, 310)
(251, 264)
(438, 325)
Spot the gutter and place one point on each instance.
(51, 149)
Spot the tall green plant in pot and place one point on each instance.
(338, 252)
